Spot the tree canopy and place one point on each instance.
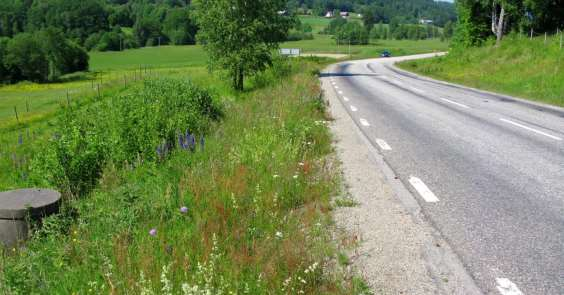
(240, 36)
(480, 20)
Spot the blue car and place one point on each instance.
(386, 53)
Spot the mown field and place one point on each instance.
(530, 69)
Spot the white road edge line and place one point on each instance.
(507, 287)
(531, 129)
(345, 98)
(455, 103)
(383, 144)
(423, 190)
(364, 122)
(354, 109)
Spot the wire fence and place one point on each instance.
(550, 37)
(21, 133)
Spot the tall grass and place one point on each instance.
(247, 212)
(525, 68)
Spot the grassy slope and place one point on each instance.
(268, 229)
(521, 67)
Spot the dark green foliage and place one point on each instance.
(122, 130)
(300, 31)
(77, 19)
(475, 18)
(148, 32)
(335, 25)
(240, 36)
(352, 33)
(180, 27)
(43, 56)
(5, 73)
(26, 58)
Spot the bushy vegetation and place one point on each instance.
(300, 31)
(525, 68)
(244, 213)
(352, 33)
(480, 20)
(97, 24)
(141, 126)
(41, 56)
(240, 37)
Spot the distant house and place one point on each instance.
(282, 12)
(329, 14)
(426, 21)
(344, 14)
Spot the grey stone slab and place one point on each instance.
(16, 203)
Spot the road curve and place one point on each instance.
(487, 171)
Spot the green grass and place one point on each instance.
(520, 67)
(317, 23)
(326, 44)
(162, 57)
(262, 186)
(258, 197)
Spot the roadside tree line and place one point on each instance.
(485, 19)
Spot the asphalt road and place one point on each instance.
(487, 171)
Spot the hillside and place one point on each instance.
(521, 67)
(374, 11)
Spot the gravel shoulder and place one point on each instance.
(399, 253)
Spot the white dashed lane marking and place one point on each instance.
(531, 129)
(455, 103)
(423, 190)
(507, 287)
(383, 144)
(340, 92)
(354, 109)
(345, 98)
(364, 122)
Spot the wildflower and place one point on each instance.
(301, 163)
(279, 235)
(184, 209)
(296, 176)
(276, 176)
(153, 232)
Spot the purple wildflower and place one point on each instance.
(202, 142)
(20, 139)
(184, 209)
(153, 232)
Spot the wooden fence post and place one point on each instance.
(16, 112)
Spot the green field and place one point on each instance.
(530, 69)
(317, 23)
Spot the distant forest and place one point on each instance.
(41, 40)
(376, 11)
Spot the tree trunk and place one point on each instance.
(241, 85)
(500, 26)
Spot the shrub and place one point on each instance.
(142, 126)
